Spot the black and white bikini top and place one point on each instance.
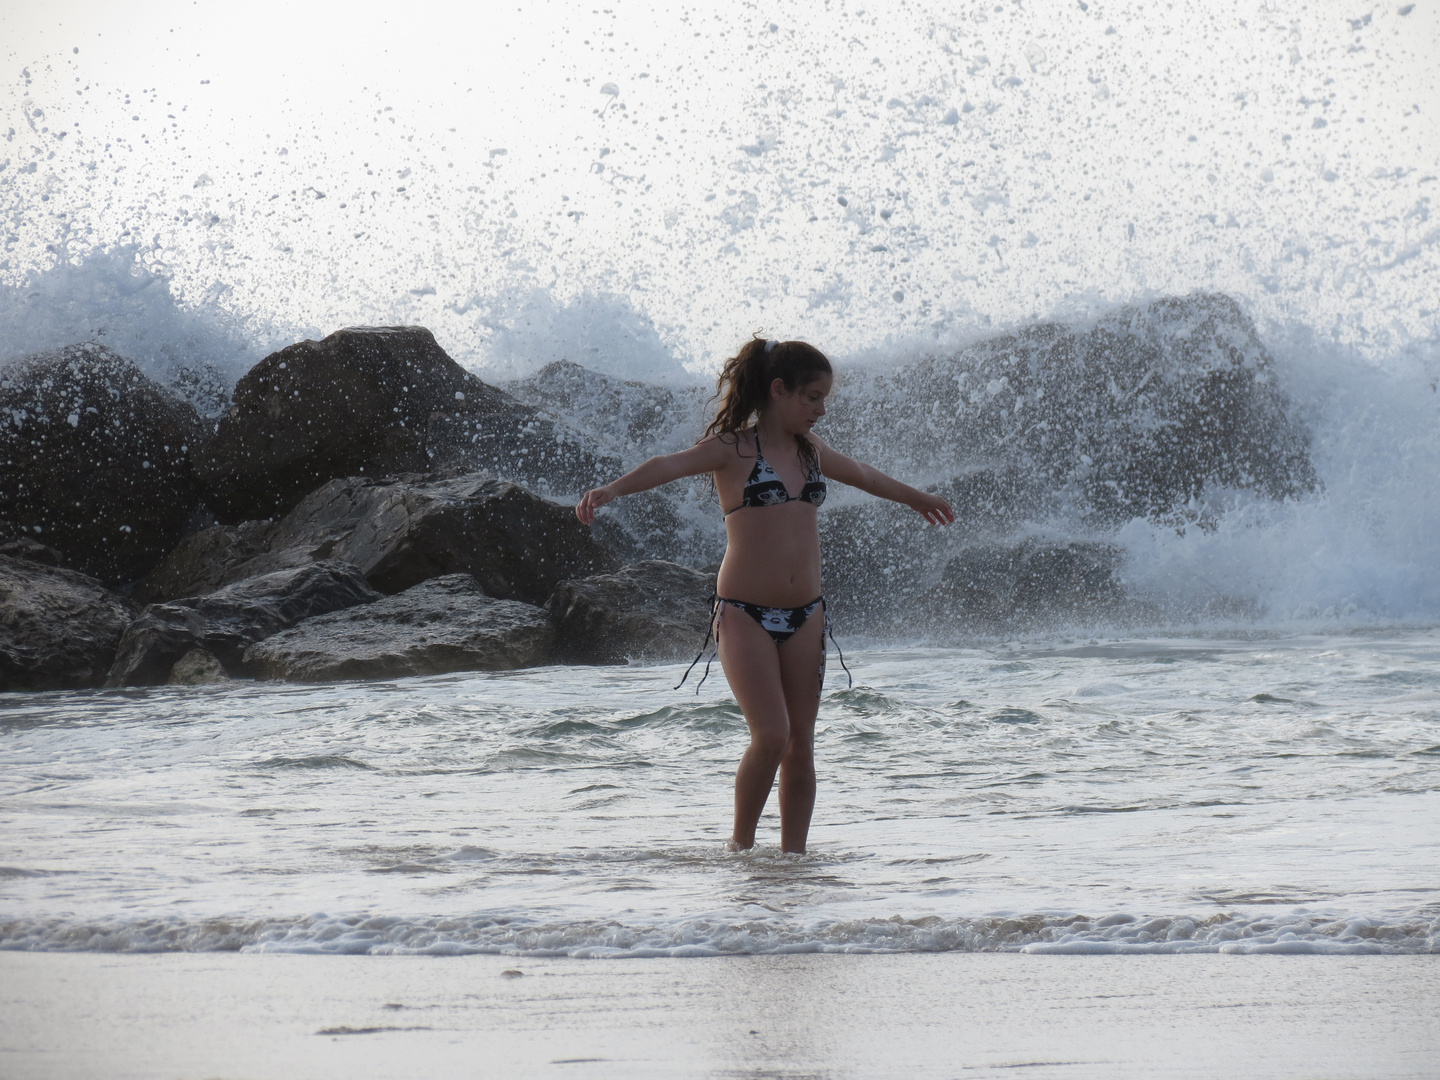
(765, 488)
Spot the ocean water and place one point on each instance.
(638, 189)
(1166, 795)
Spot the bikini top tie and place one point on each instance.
(765, 488)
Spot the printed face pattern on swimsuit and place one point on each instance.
(765, 488)
(779, 622)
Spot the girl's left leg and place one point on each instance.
(802, 667)
(752, 667)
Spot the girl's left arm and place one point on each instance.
(869, 479)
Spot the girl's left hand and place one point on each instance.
(933, 509)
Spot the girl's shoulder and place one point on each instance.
(742, 441)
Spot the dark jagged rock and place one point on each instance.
(374, 401)
(876, 553)
(204, 561)
(653, 610)
(58, 628)
(441, 625)
(223, 623)
(402, 531)
(987, 586)
(1131, 417)
(95, 459)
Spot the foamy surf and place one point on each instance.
(382, 935)
(1146, 796)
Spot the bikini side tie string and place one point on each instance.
(838, 651)
(709, 630)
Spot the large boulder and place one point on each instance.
(95, 459)
(224, 622)
(653, 610)
(58, 628)
(879, 553)
(999, 587)
(375, 401)
(441, 625)
(1069, 429)
(1133, 416)
(402, 531)
(989, 586)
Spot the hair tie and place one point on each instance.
(770, 344)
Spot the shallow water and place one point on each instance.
(1276, 794)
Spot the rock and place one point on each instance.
(226, 621)
(198, 667)
(402, 531)
(374, 401)
(653, 610)
(444, 624)
(659, 525)
(539, 453)
(58, 628)
(1069, 428)
(205, 561)
(999, 587)
(95, 459)
(877, 552)
(1132, 417)
(24, 547)
(632, 420)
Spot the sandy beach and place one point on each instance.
(955, 1015)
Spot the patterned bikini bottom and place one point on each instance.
(779, 622)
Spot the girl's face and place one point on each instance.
(799, 409)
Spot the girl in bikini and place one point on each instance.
(771, 570)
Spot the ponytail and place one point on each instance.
(744, 383)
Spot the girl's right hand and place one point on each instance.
(592, 501)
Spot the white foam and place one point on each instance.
(1045, 933)
(1361, 550)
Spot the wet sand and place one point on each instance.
(950, 1015)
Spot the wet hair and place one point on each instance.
(743, 387)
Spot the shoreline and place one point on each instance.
(974, 1015)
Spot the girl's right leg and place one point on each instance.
(752, 666)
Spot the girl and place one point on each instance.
(772, 648)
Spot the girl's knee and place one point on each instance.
(771, 741)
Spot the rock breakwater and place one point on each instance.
(367, 507)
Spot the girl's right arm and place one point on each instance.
(703, 457)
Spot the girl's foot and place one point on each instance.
(734, 845)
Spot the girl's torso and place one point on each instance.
(773, 554)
